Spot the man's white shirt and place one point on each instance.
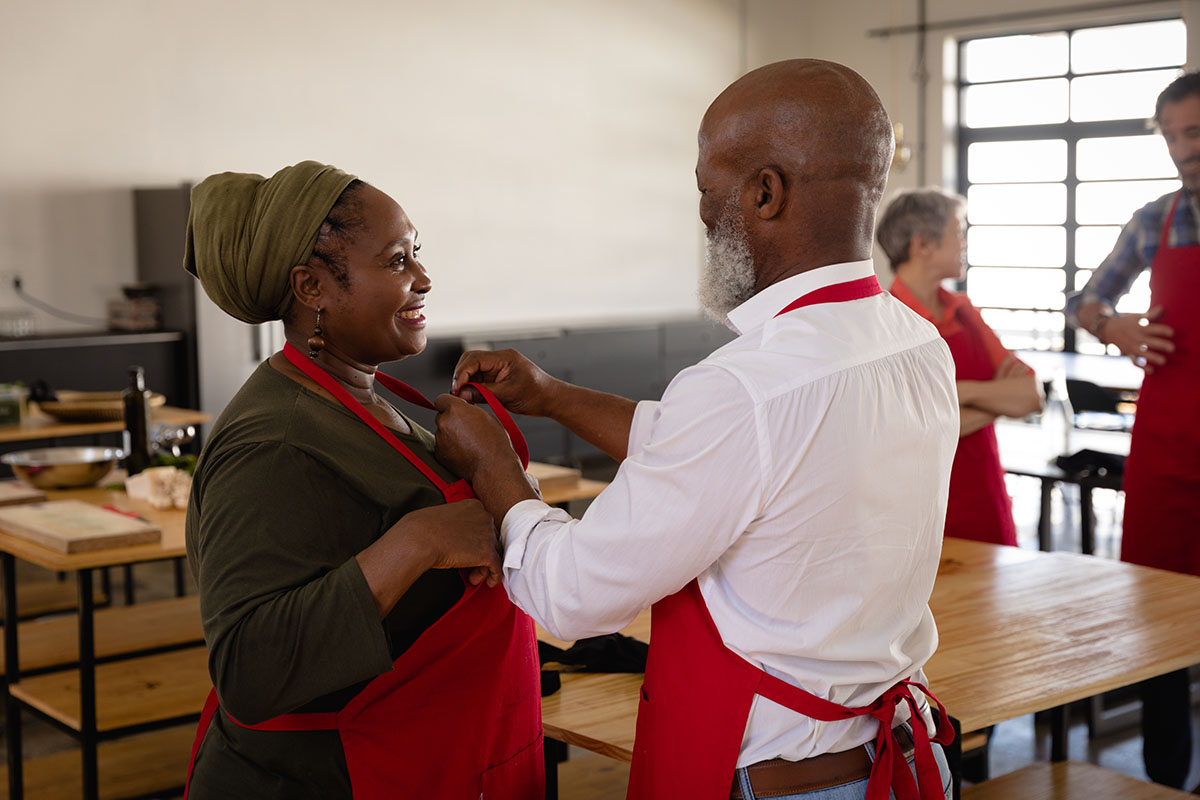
(801, 473)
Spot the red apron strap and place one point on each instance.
(837, 293)
(401, 389)
(305, 721)
(326, 382)
(1166, 228)
(206, 715)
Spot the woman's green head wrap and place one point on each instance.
(246, 232)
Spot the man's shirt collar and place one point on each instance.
(755, 312)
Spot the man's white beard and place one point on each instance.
(728, 278)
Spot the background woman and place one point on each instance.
(923, 233)
(350, 657)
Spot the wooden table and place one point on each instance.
(1020, 631)
(157, 678)
(37, 425)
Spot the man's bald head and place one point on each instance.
(803, 148)
(819, 120)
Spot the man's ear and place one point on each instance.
(306, 286)
(769, 193)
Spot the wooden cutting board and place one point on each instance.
(552, 476)
(14, 492)
(73, 526)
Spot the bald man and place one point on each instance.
(781, 507)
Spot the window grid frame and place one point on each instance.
(1069, 131)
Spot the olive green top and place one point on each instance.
(289, 488)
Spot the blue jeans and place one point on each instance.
(855, 790)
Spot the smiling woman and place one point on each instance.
(359, 643)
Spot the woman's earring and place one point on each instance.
(315, 342)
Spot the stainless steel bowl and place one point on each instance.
(63, 467)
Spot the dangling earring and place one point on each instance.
(315, 342)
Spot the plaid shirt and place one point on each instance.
(1135, 249)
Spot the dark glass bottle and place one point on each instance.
(135, 399)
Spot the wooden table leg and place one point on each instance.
(12, 710)
(555, 751)
(87, 687)
(1058, 733)
(1087, 533)
(1044, 519)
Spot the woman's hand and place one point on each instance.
(522, 386)
(453, 536)
(456, 535)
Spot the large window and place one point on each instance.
(1055, 154)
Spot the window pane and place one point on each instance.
(1137, 301)
(1011, 246)
(1092, 244)
(1005, 58)
(1026, 330)
(1123, 157)
(1122, 96)
(1003, 286)
(1146, 44)
(1004, 162)
(1025, 103)
(1114, 203)
(1016, 204)
(1081, 278)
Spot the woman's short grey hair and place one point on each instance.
(914, 212)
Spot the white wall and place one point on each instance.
(544, 148)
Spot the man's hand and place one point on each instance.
(1141, 337)
(470, 439)
(516, 381)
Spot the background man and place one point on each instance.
(782, 506)
(1162, 474)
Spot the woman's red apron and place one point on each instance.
(697, 693)
(979, 507)
(459, 714)
(1162, 475)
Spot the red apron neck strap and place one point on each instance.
(326, 382)
(1166, 228)
(837, 293)
(401, 389)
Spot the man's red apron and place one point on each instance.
(459, 714)
(979, 507)
(697, 693)
(1162, 474)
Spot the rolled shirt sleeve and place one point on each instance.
(676, 504)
